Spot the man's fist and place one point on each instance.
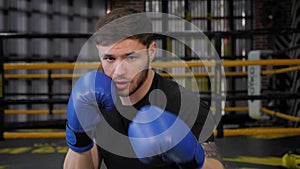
(159, 137)
(91, 94)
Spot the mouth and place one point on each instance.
(121, 85)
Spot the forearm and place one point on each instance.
(74, 160)
(213, 159)
(211, 163)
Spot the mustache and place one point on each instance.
(121, 78)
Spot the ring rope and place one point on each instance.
(280, 115)
(34, 135)
(41, 76)
(196, 74)
(63, 111)
(227, 109)
(95, 65)
(226, 132)
(16, 111)
(234, 109)
(282, 70)
(259, 131)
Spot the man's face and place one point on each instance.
(127, 63)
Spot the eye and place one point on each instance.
(131, 58)
(109, 58)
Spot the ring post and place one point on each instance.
(1, 90)
(254, 84)
(218, 87)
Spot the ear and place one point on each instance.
(152, 50)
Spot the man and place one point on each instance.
(141, 105)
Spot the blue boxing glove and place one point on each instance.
(159, 137)
(91, 94)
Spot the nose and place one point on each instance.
(120, 68)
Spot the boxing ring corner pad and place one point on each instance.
(254, 84)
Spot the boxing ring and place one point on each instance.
(294, 65)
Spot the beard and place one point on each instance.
(140, 81)
(136, 84)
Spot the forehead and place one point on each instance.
(122, 47)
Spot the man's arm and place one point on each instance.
(213, 159)
(211, 163)
(91, 93)
(87, 160)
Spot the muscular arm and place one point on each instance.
(213, 159)
(86, 160)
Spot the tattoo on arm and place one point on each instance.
(211, 150)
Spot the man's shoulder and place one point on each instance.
(164, 80)
(166, 84)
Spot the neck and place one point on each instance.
(141, 92)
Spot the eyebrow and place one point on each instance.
(126, 54)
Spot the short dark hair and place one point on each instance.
(123, 23)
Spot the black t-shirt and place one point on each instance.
(115, 147)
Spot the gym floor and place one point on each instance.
(239, 152)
